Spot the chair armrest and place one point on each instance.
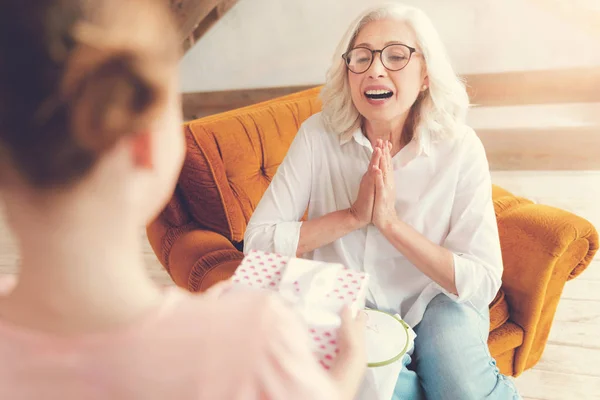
(542, 248)
(200, 258)
(195, 258)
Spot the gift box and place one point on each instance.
(317, 290)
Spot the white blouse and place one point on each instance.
(443, 190)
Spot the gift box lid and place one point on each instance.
(387, 338)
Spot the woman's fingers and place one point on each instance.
(382, 166)
(376, 157)
(382, 158)
(379, 180)
(389, 158)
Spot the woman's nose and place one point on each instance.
(377, 69)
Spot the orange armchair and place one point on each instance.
(231, 158)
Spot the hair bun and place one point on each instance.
(111, 92)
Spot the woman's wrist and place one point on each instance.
(388, 226)
(353, 221)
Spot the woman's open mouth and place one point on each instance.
(379, 94)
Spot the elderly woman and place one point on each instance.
(397, 185)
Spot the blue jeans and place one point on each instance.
(452, 359)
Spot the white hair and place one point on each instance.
(440, 111)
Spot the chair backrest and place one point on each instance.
(232, 157)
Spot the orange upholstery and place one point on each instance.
(233, 156)
(233, 159)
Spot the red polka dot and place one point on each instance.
(317, 339)
(272, 284)
(332, 342)
(328, 334)
(328, 357)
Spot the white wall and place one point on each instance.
(265, 43)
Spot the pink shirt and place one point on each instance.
(244, 345)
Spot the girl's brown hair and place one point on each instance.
(75, 77)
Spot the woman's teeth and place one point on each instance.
(378, 94)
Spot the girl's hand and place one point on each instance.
(351, 362)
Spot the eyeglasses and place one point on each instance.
(394, 57)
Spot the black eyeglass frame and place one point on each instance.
(410, 49)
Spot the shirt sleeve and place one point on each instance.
(473, 237)
(275, 224)
(287, 367)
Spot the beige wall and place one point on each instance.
(263, 43)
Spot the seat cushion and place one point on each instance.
(498, 311)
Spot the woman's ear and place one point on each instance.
(425, 82)
(141, 150)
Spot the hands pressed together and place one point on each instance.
(376, 197)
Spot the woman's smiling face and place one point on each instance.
(380, 94)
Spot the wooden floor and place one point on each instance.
(570, 366)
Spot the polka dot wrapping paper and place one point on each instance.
(317, 290)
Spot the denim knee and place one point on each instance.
(444, 315)
(452, 356)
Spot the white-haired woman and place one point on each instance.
(398, 186)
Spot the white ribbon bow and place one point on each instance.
(306, 284)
